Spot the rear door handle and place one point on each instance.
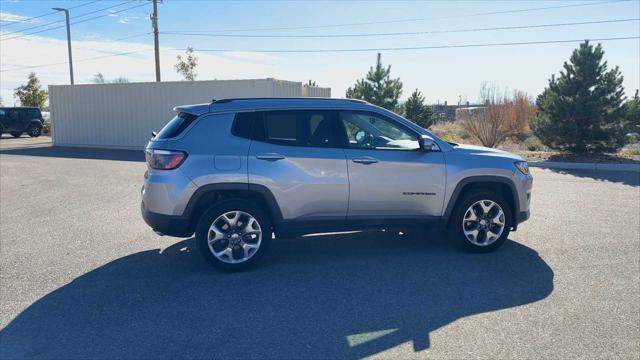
(270, 157)
(365, 160)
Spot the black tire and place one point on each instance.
(226, 206)
(16, 134)
(455, 229)
(34, 130)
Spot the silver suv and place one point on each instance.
(239, 171)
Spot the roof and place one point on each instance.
(237, 104)
(19, 107)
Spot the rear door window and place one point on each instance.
(176, 126)
(312, 128)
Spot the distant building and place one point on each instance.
(445, 112)
(124, 115)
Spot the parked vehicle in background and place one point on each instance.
(237, 171)
(18, 120)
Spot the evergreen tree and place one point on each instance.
(582, 110)
(416, 110)
(632, 109)
(31, 94)
(378, 87)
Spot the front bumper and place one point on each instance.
(523, 216)
(170, 225)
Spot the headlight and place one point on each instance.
(523, 167)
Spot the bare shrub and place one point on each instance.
(523, 109)
(501, 116)
(487, 124)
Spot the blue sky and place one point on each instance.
(441, 74)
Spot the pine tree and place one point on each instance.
(416, 110)
(31, 94)
(581, 111)
(632, 109)
(378, 87)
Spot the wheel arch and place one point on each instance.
(33, 122)
(501, 185)
(207, 195)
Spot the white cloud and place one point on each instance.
(251, 56)
(137, 67)
(7, 17)
(125, 18)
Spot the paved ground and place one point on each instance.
(83, 277)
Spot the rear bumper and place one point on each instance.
(170, 225)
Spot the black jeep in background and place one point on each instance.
(17, 120)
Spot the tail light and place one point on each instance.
(164, 159)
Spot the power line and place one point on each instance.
(74, 23)
(112, 41)
(417, 19)
(77, 61)
(59, 21)
(47, 14)
(399, 33)
(413, 47)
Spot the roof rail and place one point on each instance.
(228, 100)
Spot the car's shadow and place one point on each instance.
(631, 178)
(343, 296)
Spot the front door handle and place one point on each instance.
(270, 157)
(365, 160)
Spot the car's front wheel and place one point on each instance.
(234, 234)
(16, 134)
(481, 222)
(34, 130)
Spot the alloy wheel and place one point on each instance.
(234, 237)
(483, 222)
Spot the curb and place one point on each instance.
(585, 166)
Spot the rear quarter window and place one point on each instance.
(176, 126)
(34, 114)
(244, 123)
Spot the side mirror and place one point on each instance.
(153, 134)
(426, 143)
(360, 136)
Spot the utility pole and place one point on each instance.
(156, 41)
(66, 14)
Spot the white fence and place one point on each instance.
(123, 115)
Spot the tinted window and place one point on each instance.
(281, 126)
(297, 128)
(13, 114)
(176, 126)
(243, 124)
(2, 113)
(371, 131)
(33, 114)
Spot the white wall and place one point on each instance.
(123, 115)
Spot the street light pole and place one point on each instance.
(66, 14)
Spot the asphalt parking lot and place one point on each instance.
(83, 277)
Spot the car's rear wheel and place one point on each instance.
(481, 222)
(16, 133)
(233, 235)
(34, 130)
